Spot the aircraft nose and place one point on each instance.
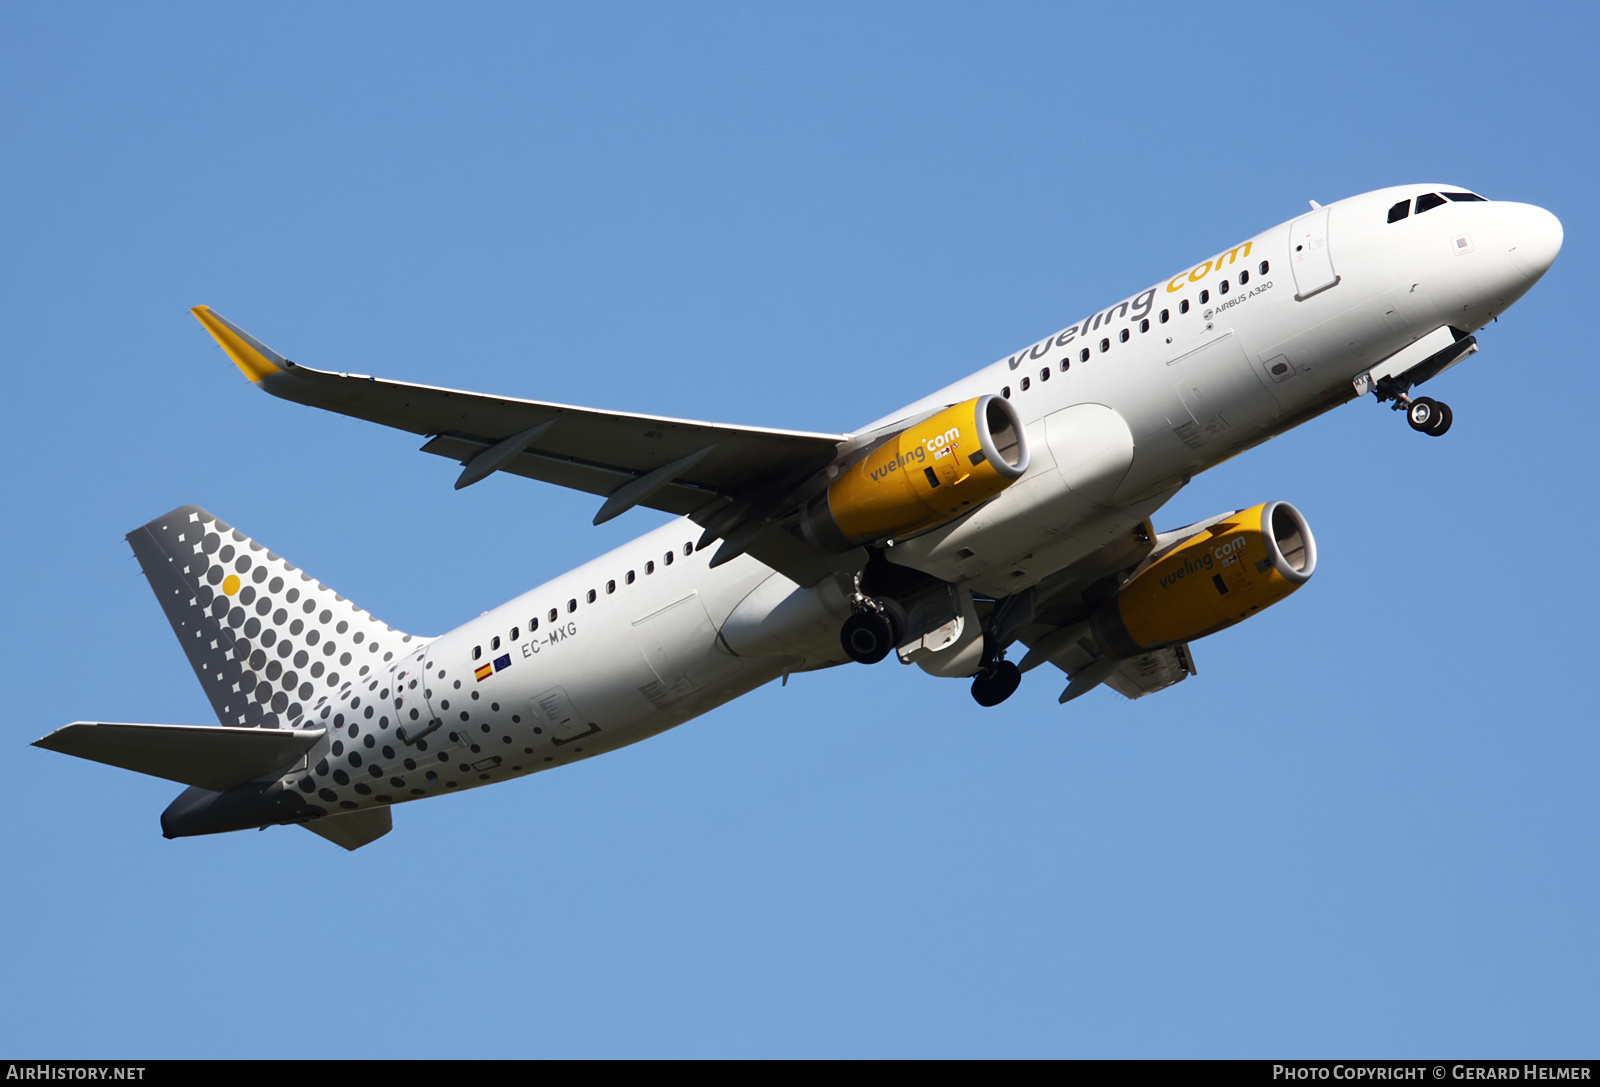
(1536, 238)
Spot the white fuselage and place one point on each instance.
(1215, 359)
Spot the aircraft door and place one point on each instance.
(412, 711)
(417, 771)
(1309, 255)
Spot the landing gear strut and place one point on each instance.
(997, 680)
(1425, 414)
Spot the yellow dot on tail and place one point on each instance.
(230, 584)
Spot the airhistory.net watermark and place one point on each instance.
(51, 1070)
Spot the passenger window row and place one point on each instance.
(1125, 335)
(589, 597)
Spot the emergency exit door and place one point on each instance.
(1309, 255)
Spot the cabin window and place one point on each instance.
(1144, 325)
(1044, 374)
(1083, 356)
(1025, 384)
(629, 578)
(1400, 211)
(688, 549)
(650, 567)
(667, 558)
(1006, 392)
(1244, 277)
(1428, 201)
(1205, 296)
(533, 624)
(1222, 288)
(572, 605)
(1065, 362)
(589, 596)
(1265, 267)
(1165, 316)
(611, 587)
(515, 632)
(1123, 336)
(1183, 307)
(554, 615)
(1105, 345)
(494, 643)
(477, 651)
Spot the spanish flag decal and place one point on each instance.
(484, 673)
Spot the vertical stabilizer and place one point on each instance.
(267, 641)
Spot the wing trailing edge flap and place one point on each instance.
(352, 830)
(213, 757)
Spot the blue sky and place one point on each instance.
(1367, 827)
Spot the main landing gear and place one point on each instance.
(894, 605)
(996, 682)
(870, 634)
(998, 678)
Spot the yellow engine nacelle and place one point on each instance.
(1227, 572)
(925, 475)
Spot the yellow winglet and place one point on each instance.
(255, 359)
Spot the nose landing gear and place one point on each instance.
(1424, 414)
(1428, 416)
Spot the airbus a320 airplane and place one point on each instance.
(1011, 507)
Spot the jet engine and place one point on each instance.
(927, 474)
(1226, 572)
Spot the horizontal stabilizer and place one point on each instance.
(212, 757)
(352, 830)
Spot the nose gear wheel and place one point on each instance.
(1428, 416)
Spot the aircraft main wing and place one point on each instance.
(722, 476)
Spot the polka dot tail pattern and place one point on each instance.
(268, 642)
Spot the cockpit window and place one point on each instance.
(1429, 201)
(1400, 211)
(1462, 197)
